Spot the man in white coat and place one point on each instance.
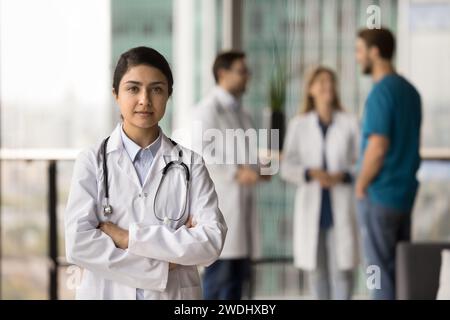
(220, 111)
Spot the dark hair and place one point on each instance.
(224, 60)
(142, 55)
(382, 38)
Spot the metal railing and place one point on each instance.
(53, 156)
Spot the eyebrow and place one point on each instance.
(140, 83)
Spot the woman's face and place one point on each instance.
(322, 88)
(142, 97)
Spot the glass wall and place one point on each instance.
(55, 92)
(423, 55)
(303, 33)
(142, 23)
(54, 71)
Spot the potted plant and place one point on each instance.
(277, 96)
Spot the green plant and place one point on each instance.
(278, 83)
(278, 91)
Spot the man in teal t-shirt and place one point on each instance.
(393, 111)
(386, 185)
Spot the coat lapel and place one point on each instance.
(316, 137)
(117, 151)
(166, 153)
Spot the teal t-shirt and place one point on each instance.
(393, 109)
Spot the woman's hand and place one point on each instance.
(246, 176)
(336, 178)
(326, 180)
(190, 222)
(321, 176)
(117, 234)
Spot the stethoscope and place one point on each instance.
(107, 208)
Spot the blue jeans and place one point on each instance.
(223, 279)
(381, 229)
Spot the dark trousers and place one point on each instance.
(223, 280)
(381, 229)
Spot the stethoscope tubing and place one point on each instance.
(107, 208)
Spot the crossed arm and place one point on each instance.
(120, 236)
(146, 262)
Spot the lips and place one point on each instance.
(143, 112)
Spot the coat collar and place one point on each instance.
(115, 140)
(167, 152)
(133, 148)
(334, 117)
(115, 143)
(226, 99)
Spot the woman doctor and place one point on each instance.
(319, 153)
(159, 229)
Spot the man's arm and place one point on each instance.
(376, 150)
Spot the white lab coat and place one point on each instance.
(113, 273)
(303, 148)
(236, 202)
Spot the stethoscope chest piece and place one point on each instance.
(107, 210)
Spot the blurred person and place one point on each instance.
(319, 155)
(145, 239)
(222, 110)
(386, 185)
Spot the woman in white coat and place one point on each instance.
(318, 157)
(149, 246)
